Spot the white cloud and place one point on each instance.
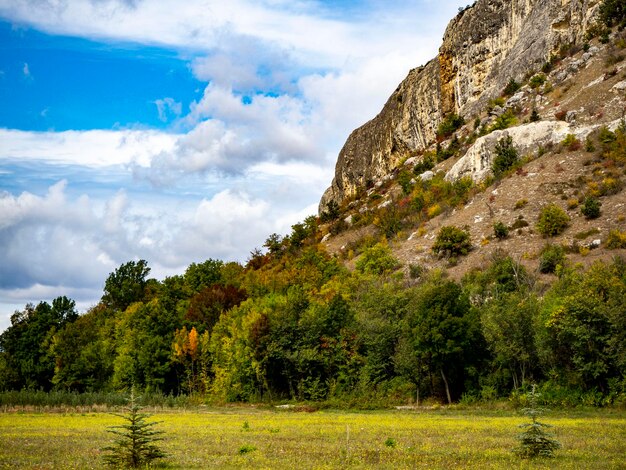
(26, 72)
(287, 82)
(168, 107)
(94, 148)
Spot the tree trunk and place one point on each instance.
(445, 381)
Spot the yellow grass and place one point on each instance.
(207, 438)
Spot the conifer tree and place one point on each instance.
(134, 445)
(535, 441)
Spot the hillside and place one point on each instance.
(571, 83)
(488, 257)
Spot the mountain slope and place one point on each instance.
(485, 46)
(535, 72)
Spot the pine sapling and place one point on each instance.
(535, 441)
(134, 445)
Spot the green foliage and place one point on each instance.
(449, 125)
(504, 121)
(377, 260)
(534, 116)
(391, 442)
(537, 80)
(201, 275)
(126, 285)
(452, 241)
(511, 88)
(426, 163)
(404, 180)
(613, 12)
(25, 344)
(444, 334)
(506, 156)
(535, 441)
(500, 230)
(616, 239)
(135, 442)
(246, 449)
(571, 143)
(331, 212)
(591, 208)
(552, 221)
(551, 257)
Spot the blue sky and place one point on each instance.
(180, 131)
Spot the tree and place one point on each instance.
(552, 221)
(452, 241)
(25, 345)
(201, 275)
(445, 336)
(506, 156)
(377, 260)
(507, 324)
(134, 445)
(126, 285)
(613, 12)
(535, 441)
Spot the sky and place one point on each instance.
(179, 131)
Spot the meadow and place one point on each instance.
(248, 437)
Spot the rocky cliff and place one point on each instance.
(484, 47)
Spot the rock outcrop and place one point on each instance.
(485, 46)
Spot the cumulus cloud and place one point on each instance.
(286, 83)
(94, 148)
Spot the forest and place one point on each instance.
(295, 324)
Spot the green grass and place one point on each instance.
(207, 438)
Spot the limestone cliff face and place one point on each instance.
(483, 48)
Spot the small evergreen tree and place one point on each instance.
(506, 156)
(135, 443)
(535, 441)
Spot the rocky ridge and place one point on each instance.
(557, 118)
(484, 46)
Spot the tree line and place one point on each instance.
(296, 324)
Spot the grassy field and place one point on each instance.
(243, 437)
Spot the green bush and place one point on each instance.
(534, 116)
(552, 221)
(537, 80)
(506, 156)
(449, 125)
(591, 208)
(613, 12)
(452, 241)
(500, 230)
(426, 163)
(511, 88)
(377, 260)
(616, 240)
(551, 257)
(504, 121)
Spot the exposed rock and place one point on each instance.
(621, 86)
(483, 48)
(570, 116)
(411, 161)
(384, 204)
(427, 175)
(516, 99)
(348, 220)
(527, 139)
(595, 244)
